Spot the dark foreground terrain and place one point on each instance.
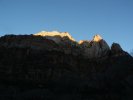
(27, 73)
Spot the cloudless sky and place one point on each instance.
(112, 19)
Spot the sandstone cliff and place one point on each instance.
(55, 35)
(95, 48)
(90, 49)
(38, 68)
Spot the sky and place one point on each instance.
(112, 19)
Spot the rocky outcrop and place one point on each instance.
(90, 49)
(95, 48)
(116, 48)
(57, 37)
(56, 41)
(28, 41)
(63, 42)
(61, 72)
(97, 38)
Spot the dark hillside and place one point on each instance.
(36, 68)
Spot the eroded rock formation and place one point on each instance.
(55, 36)
(116, 48)
(37, 68)
(95, 48)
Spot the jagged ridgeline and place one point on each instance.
(59, 41)
(53, 66)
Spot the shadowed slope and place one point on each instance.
(34, 67)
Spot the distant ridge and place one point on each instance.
(61, 41)
(97, 47)
(55, 33)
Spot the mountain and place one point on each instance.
(52, 65)
(55, 36)
(95, 48)
(91, 49)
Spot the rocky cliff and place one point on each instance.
(36, 67)
(95, 48)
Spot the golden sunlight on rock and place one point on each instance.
(54, 35)
(97, 38)
(81, 41)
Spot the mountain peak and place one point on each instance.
(62, 41)
(55, 33)
(97, 38)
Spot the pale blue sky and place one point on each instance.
(112, 19)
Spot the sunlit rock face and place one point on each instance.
(52, 72)
(57, 37)
(59, 41)
(97, 38)
(95, 48)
